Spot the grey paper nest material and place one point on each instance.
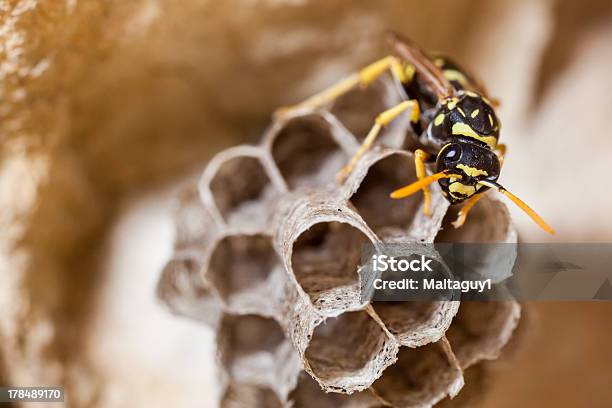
(269, 251)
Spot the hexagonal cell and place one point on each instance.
(249, 396)
(183, 290)
(416, 323)
(477, 381)
(487, 222)
(306, 152)
(481, 329)
(421, 377)
(372, 200)
(347, 351)
(246, 273)
(357, 111)
(326, 260)
(242, 189)
(308, 394)
(193, 223)
(242, 338)
(254, 350)
(486, 241)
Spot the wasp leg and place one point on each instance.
(420, 157)
(364, 78)
(463, 213)
(501, 149)
(381, 120)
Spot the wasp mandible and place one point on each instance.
(454, 119)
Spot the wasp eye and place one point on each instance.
(453, 153)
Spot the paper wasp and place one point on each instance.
(455, 122)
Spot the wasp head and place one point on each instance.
(471, 163)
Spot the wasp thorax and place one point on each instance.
(479, 114)
(471, 163)
(468, 116)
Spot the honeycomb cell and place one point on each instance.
(357, 111)
(481, 329)
(487, 222)
(245, 335)
(246, 273)
(254, 350)
(193, 223)
(308, 394)
(345, 350)
(326, 260)
(249, 396)
(478, 379)
(241, 185)
(415, 323)
(486, 242)
(372, 201)
(421, 377)
(308, 151)
(183, 290)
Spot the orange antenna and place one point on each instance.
(528, 210)
(420, 184)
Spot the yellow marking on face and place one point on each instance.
(461, 189)
(451, 103)
(461, 112)
(439, 119)
(490, 119)
(471, 171)
(465, 130)
(475, 113)
(454, 75)
(439, 62)
(472, 94)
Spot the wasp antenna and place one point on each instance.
(521, 204)
(418, 185)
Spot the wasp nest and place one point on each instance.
(269, 249)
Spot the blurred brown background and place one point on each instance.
(105, 107)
